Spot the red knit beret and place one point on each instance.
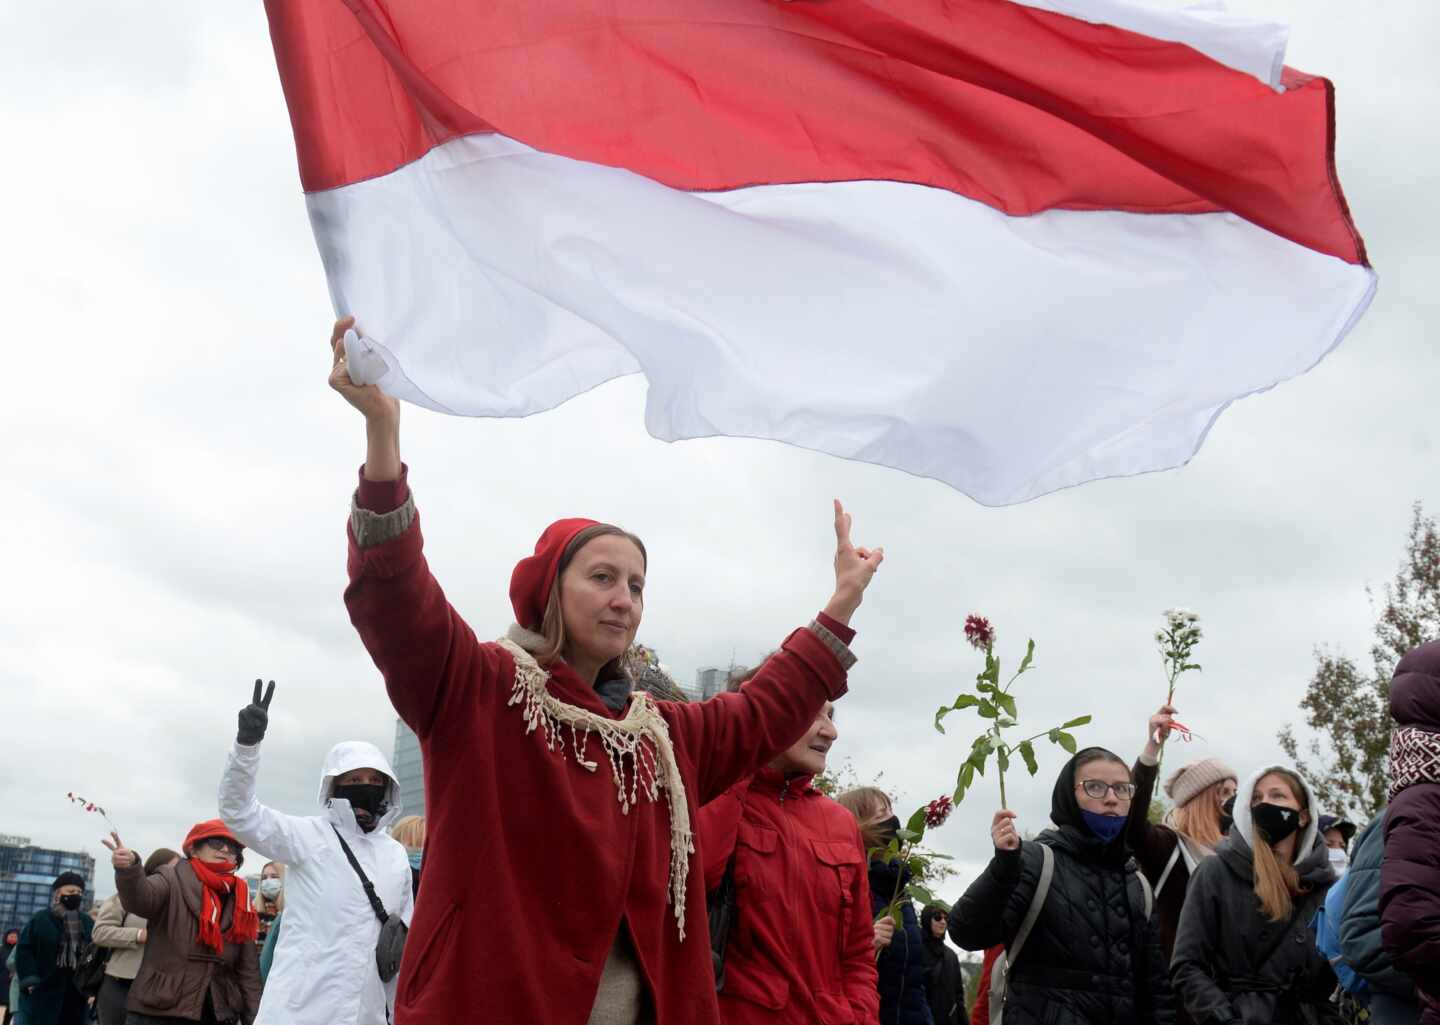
(208, 830)
(533, 577)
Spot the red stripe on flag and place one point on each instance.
(1021, 109)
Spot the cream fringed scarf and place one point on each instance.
(642, 759)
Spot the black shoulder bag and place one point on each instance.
(390, 947)
(721, 907)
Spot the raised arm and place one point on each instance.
(272, 834)
(139, 894)
(1139, 832)
(418, 642)
(732, 735)
(110, 930)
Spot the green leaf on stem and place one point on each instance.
(907, 835)
(916, 823)
(1027, 752)
(1028, 659)
(1079, 720)
(988, 710)
(1002, 757)
(1054, 735)
(1007, 702)
(1067, 742)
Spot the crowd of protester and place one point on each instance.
(594, 856)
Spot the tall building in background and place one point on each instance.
(409, 769)
(712, 680)
(26, 872)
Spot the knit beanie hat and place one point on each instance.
(1186, 782)
(533, 578)
(68, 879)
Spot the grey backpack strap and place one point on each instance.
(1149, 893)
(1047, 873)
(1000, 970)
(1169, 866)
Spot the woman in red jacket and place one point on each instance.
(801, 948)
(550, 784)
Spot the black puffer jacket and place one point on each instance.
(1092, 958)
(1220, 968)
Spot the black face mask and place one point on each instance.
(1275, 822)
(887, 829)
(364, 797)
(1227, 814)
(70, 902)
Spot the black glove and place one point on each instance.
(255, 716)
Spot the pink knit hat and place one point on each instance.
(1186, 782)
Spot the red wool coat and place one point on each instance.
(531, 867)
(801, 950)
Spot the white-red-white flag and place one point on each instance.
(1011, 246)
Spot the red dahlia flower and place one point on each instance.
(979, 632)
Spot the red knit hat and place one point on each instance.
(533, 578)
(208, 830)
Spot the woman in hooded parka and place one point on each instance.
(1092, 957)
(324, 970)
(1245, 951)
(1410, 874)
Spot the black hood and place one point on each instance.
(1065, 812)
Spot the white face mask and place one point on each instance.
(269, 888)
(1339, 860)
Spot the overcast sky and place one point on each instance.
(178, 472)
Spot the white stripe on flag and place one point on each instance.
(881, 321)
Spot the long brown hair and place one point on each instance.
(865, 803)
(1199, 817)
(1277, 884)
(552, 627)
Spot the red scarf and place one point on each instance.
(215, 883)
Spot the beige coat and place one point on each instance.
(120, 931)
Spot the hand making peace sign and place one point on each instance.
(255, 717)
(120, 856)
(854, 569)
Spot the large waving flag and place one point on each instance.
(1011, 246)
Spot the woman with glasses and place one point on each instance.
(1170, 853)
(200, 962)
(1092, 955)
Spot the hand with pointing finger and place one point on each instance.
(255, 717)
(120, 855)
(854, 569)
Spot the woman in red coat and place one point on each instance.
(802, 947)
(550, 785)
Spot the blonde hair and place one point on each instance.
(1199, 817)
(410, 831)
(265, 904)
(865, 803)
(1276, 883)
(552, 626)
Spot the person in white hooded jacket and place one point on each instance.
(324, 971)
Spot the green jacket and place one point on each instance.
(48, 996)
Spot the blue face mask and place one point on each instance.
(1106, 827)
(415, 859)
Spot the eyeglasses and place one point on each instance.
(1097, 789)
(215, 843)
